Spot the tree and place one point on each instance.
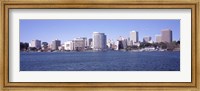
(178, 42)
(33, 48)
(163, 45)
(26, 45)
(144, 44)
(171, 46)
(22, 46)
(155, 45)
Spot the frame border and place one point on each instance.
(6, 5)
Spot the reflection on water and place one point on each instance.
(100, 61)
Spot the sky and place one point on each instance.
(48, 30)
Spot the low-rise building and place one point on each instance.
(69, 45)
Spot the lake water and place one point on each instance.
(100, 61)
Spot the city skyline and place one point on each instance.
(99, 45)
(99, 42)
(38, 29)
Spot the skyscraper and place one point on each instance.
(99, 41)
(55, 44)
(89, 42)
(158, 38)
(79, 44)
(122, 44)
(166, 35)
(147, 39)
(85, 40)
(134, 36)
(129, 42)
(36, 44)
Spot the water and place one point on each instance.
(100, 61)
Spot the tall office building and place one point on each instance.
(36, 44)
(99, 41)
(147, 39)
(134, 36)
(158, 38)
(85, 40)
(129, 42)
(122, 44)
(79, 44)
(89, 42)
(55, 44)
(166, 35)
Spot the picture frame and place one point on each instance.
(157, 86)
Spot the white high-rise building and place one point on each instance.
(36, 43)
(99, 41)
(134, 36)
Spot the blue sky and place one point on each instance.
(48, 30)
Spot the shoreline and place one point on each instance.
(103, 51)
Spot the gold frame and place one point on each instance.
(193, 5)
